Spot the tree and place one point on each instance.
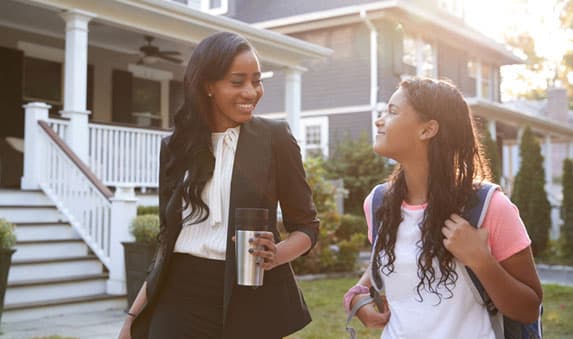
(361, 168)
(567, 210)
(553, 69)
(529, 192)
(492, 155)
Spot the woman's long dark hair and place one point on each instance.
(455, 163)
(191, 140)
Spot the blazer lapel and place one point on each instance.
(250, 174)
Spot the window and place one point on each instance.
(215, 7)
(146, 102)
(427, 65)
(472, 67)
(486, 81)
(315, 137)
(409, 48)
(419, 57)
(454, 7)
(43, 82)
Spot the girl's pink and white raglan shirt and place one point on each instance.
(459, 316)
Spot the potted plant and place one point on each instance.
(7, 242)
(139, 254)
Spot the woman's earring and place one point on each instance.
(209, 94)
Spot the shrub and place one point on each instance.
(492, 155)
(360, 167)
(145, 228)
(7, 234)
(349, 225)
(566, 233)
(142, 210)
(529, 192)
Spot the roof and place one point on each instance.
(400, 10)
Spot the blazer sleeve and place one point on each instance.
(294, 193)
(163, 196)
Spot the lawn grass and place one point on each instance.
(324, 298)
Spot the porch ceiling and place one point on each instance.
(541, 125)
(121, 24)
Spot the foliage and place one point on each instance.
(331, 253)
(492, 155)
(360, 167)
(349, 225)
(566, 243)
(7, 234)
(145, 228)
(529, 192)
(141, 210)
(552, 69)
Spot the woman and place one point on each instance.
(423, 243)
(220, 157)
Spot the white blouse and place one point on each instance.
(208, 239)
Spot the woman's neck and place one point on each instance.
(416, 175)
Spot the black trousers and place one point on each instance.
(190, 303)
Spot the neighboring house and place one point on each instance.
(376, 44)
(108, 107)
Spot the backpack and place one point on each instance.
(474, 213)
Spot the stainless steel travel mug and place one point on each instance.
(249, 221)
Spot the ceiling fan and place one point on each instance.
(151, 54)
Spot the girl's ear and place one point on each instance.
(429, 130)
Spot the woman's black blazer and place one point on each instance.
(267, 169)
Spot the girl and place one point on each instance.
(219, 158)
(423, 243)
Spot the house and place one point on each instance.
(96, 108)
(376, 44)
(88, 88)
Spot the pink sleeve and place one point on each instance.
(368, 213)
(507, 233)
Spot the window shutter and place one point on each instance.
(122, 84)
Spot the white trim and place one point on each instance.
(41, 52)
(323, 111)
(149, 73)
(322, 122)
(322, 15)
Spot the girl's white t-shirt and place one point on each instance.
(459, 314)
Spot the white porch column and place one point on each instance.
(293, 100)
(491, 125)
(570, 150)
(123, 210)
(75, 81)
(516, 161)
(33, 150)
(548, 165)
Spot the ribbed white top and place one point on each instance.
(208, 239)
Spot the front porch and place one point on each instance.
(84, 112)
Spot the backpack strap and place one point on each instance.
(474, 213)
(377, 200)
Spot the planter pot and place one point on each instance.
(5, 261)
(138, 257)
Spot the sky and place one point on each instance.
(539, 18)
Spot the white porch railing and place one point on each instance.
(100, 217)
(86, 204)
(125, 155)
(59, 126)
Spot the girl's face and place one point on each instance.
(234, 97)
(401, 132)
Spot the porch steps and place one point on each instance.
(53, 271)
